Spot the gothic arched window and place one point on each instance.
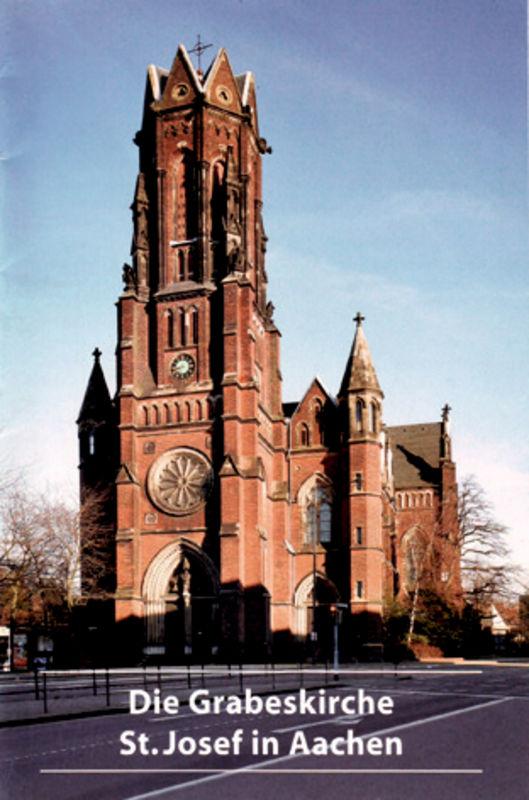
(170, 329)
(218, 215)
(317, 409)
(186, 196)
(359, 411)
(372, 417)
(316, 502)
(182, 326)
(180, 266)
(303, 435)
(194, 325)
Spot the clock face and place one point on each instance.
(182, 367)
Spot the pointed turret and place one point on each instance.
(360, 373)
(361, 399)
(97, 404)
(97, 431)
(446, 441)
(97, 472)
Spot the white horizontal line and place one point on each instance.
(261, 771)
(389, 670)
(353, 719)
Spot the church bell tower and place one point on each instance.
(199, 397)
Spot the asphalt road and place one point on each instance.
(462, 736)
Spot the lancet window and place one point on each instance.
(316, 501)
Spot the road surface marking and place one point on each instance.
(353, 719)
(262, 767)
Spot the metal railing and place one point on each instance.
(111, 683)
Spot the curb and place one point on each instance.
(105, 712)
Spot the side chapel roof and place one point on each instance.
(417, 452)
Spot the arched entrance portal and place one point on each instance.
(314, 614)
(181, 603)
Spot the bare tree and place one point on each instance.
(46, 560)
(485, 567)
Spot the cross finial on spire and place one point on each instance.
(199, 48)
(97, 354)
(358, 319)
(445, 413)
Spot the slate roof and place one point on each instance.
(289, 408)
(416, 455)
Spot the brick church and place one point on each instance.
(242, 524)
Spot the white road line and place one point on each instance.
(436, 717)
(261, 766)
(171, 717)
(265, 771)
(352, 719)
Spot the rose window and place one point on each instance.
(179, 481)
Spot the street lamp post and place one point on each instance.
(337, 610)
(314, 633)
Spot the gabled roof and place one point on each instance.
(163, 84)
(220, 85)
(293, 407)
(181, 84)
(416, 455)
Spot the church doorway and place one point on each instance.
(191, 613)
(315, 615)
(181, 609)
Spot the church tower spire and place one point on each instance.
(361, 397)
(96, 430)
(199, 386)
(360, 372)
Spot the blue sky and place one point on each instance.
(397, 186)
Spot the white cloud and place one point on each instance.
(432, 203)
(332, 78)
(349, 287)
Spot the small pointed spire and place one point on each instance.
(446, 443)
(360, 372)
(97, 403)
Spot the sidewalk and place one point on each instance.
(81, 693)
(72, 695)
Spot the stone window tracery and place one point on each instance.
(316, 501)
(179, 481)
